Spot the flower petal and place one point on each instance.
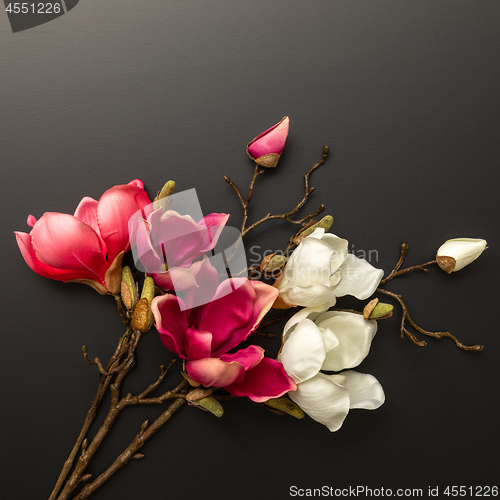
(365, 391)
(265, 381)
(308, 312)
(235, 312)
(354, 334)
(114, 209)
(197, 344)
(30, 257)
(324, 399)
(214, 372)
(212, 226)
(64, 242)
(303, 353)
(321, 296)
(171, 322)
(272, 141)
(359, 278)
(249, 357)
(310, 264)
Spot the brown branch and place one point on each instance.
(131, 450)
(285, 216)
(437, 335)
(104, 381)
(396, 272)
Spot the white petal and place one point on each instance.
(463, 250)
(365, 391)
(355, 336)
(329, 338)
(310, 296)
(317, 233)
(304, 351)
(359, 278)
(324, 399)
(309, 264)
(308, 312)
(339, 247)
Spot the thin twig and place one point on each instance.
(285, 216)
(132, 449)
(396, 272)
(436, 335)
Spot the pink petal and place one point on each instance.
(29, 255)
(139, 231)
(271, 141)
(267, 380)
(137, 183)
(214, 372)
(86, 211)
(175, 279)
(230, 316)
(207, 280)
(177, 238)
(249, 357)
(234, 316)
(114, 210)
(212, 226)
(64, 242)
(197, 344)
(171, 322)
(31, 221)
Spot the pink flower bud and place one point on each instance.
(266, 148)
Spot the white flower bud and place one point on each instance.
(457, 253)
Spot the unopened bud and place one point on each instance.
(325, 223)
(128, 288)
(209, 404)
(167, 190)
(143, 317)
(285, 405)
(272, 263)
(457, 253)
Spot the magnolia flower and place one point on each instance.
(320, 270)
(455, 254)
(168, 243)
(204, 335)
(267, 147)
(86, 247)
(333, 341)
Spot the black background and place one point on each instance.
(407, 96)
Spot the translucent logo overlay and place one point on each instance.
(199, 258)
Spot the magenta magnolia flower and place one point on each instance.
(86, 247)
(204, 335)
(266, 148)
(167, 243)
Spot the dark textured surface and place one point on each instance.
(405, 93)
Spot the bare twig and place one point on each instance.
(396, 272)
(436, 335)
(285, 216)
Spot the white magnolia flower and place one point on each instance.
(455, 254)
(320, 270)
(314, 340)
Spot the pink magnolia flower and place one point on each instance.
(266, 148)
(86, 247)
(167, 244)
(204, 335)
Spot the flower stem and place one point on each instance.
(131, 450)
(437, 335)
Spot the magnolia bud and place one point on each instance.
(128, 288)
(457, 253)
(143, 317)
(266, 148)
(167, 190)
